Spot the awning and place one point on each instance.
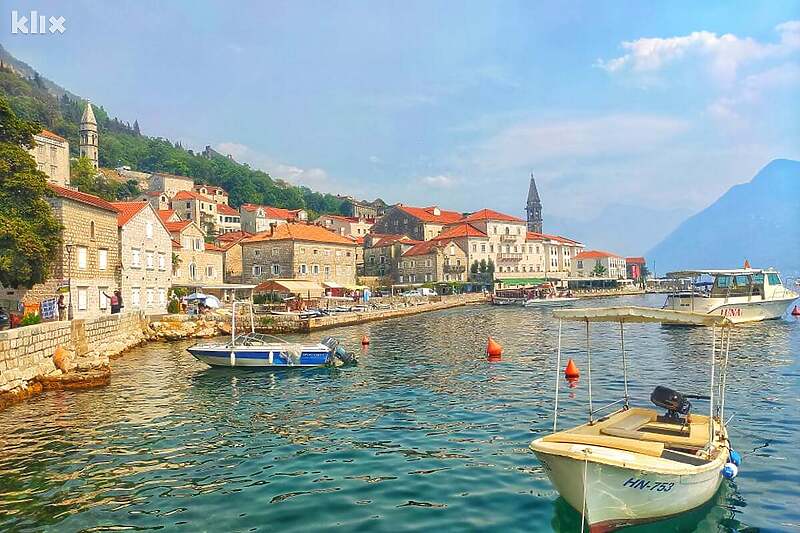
(356, 287)
(640, 314)
(302, 287)
(332, 285)
(517, 282)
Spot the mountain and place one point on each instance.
(758, 221)
(615, 229)
(27, 71)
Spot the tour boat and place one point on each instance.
(742, 295)
(635, 464)
(557, 300)
(259, 350)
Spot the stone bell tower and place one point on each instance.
(88, 135)
(534, 208)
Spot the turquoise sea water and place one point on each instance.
(423, 435)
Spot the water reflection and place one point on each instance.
(423, 434)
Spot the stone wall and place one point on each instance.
(29, 354)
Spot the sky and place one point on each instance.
(619, 108)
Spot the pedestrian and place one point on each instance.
(116, 301)
(62, 307)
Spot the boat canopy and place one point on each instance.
(717, 272)
(640, 314)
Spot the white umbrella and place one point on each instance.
(197, 296)
(212, 302)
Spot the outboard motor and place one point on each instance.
(339, 352)
(673, 401)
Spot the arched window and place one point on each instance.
(91, 230)
(192, 271)
(508, 232)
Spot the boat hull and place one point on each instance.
(547, 302)
(617, 497)
(261, 357)
(736, 311)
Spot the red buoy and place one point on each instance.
(493, 350)
(571, 372)
(364, 340)
(796, 311)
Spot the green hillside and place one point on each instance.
(122, 144)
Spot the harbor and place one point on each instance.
(423, 429)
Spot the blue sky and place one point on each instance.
(612, 104)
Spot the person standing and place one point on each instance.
(115, 301)
(62, 307)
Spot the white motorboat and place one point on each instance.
(546, 302)
(742, 295)
(637, 465)
(259, 350)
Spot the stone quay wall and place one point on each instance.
(64, 354)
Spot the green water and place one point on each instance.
(423, 435)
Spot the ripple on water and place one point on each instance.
(423, 434)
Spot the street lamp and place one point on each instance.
(69, 248)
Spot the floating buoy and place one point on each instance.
(493, 350)
(736, 458)
(571, 372)
(730, 471)
(364, 340)
(796, 311)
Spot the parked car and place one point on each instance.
(414, 292)
(427, 292)
(5, 319)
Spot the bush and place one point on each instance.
(30, 319)
(173, 307)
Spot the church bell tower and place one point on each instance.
(88, 135)
(534, 208)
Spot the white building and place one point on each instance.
(52, 156)
(596, 263)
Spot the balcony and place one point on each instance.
(508, 238)
(454, 269)
(509, 256)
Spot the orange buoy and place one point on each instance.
(796, 311)
(493, 349)
(571, 372)
(364, 340)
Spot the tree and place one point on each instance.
(482, 267)
(474, 267)
(30, 236)
(490, 267)
(598, 270)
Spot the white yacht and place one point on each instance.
(741, 295)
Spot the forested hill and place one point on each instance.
(33, 98)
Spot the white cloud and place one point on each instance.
(313, 177)
(751, 90)
(723, 55)
(440, 181)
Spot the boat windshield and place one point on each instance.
(737, 285)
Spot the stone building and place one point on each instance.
(231, 243)
(382, 254)
(418, 223)
(86, 264)
(559, 254)
(145, 251)
(299, 251)
(506, 239)
(197, 262)
(362, 209)
(170, 184)
(534, 208)
(217, 194)
(190, 205)
(89, 139)
(586, 264)
(438, 260)
(346, 226)
(51, 153)
(159, 200)
(228, 219)
(473, 241)
(258, 218)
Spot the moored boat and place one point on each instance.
(545, 302)
(742, 295)
(636, 464)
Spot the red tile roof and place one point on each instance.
(280, 213)
(176, 244)
(233, 236)
(177, 227)
(635, 260)
(213, 248)
(461, 230)
(427, 247)
(488, 214)
(165, 214)
(82, 197)
(300, 232)
(595, 254)
(127, 210)
(191, 195)
(50, 135)
(532, 236)
(428, 214)
(154, 193)
(388, 240)
(249, 207)
(224, 209)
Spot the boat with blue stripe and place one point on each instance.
(259, 350)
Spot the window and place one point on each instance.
(135, 296)
(256, 252)
(101, 297)
(150, 261)
(148, 230)
(276, 269)
(187, 243)
(483, 248)
(192, 271)
(773, 279)
(198, 244)
(302, 269)
(580, 264)
(210, 271)
(275, 252)
(327, 271)
(150, 295)
(162, 296)
(91, 230)
(256, 270)
(162, 261)
(135, 257)
(83, 298)
(315, 269)
(82, 257)
(102, 259)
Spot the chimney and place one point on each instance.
(272, 226)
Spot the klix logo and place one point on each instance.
(35, 23)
